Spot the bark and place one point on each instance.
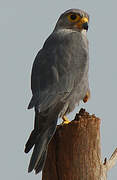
(74, 153)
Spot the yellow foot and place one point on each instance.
(87, 96)
(65, 120)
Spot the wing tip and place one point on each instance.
(30, 169)
(32, 103)
(30, 106)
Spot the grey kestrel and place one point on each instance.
(59, 81)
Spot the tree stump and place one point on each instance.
(74, 152)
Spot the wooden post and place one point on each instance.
(74, 153)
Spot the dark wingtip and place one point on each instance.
(31, 141)
(32, 103)
(30, 106)
(41, 163)
(29, 169)
(26, 150)
(28, 147)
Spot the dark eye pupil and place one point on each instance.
(73, 16)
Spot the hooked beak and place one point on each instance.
(85, 26)
(83, 23)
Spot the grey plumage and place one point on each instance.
(59, 81)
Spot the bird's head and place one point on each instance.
(74, 19)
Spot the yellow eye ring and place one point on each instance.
(73, 17)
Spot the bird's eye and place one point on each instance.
(73, 17)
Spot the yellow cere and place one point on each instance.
(84, 20)
(73, 17)
(81, 22)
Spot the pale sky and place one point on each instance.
(24, 26)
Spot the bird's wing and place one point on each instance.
(57, 69)
(54, 72)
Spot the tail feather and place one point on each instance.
(44, 129)
(32, 138)
(40, 147)
(41, 163)
(31, 141)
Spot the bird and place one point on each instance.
(59, 81)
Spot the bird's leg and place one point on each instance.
(65, 120)
(87, 96)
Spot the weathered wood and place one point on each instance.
(74, 152)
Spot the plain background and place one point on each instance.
(24, 26)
